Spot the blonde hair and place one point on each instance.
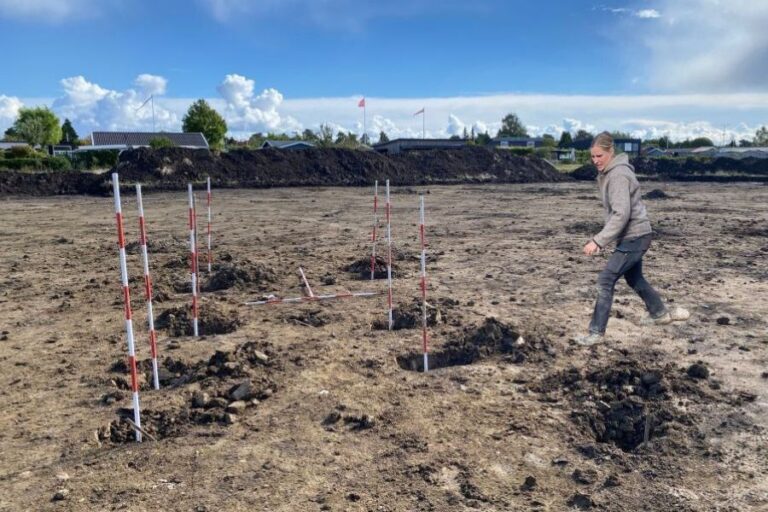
(603, 141)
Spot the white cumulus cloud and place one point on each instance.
(245, 111)
(151, 84)
(92, 107)
(647, 13)
(9, 110)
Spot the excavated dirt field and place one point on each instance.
(318, 407)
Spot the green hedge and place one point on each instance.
(97, 159)
(54, 163)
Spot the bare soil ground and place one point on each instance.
(317, 407)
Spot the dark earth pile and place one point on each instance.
(474, 344)
(173, 168)
(628, 403)
(228, 386)
(212, 319)
(690, 169)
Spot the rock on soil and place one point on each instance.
(241, 274)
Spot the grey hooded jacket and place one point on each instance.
(625, 214)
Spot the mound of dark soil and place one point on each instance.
(173, 168)
(490, 339)
(362, 268)
(231, 383)
(238, 275)
(690, 169)
(409, 316)
(626, 402)
(212, 319)
(656, 194)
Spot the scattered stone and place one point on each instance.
(585, 476)
(61, 494)
(261, 356)
(332, 418)
(612, 481)
(230, 419)
(698, 371)
(217, 403)
(236, 407)
(764, 375)
(112, 397)
(581, 501)
(723, 320)
(328, 279)
(242, 392)
(63, 476)
(200, 399)
(656, 194)
(529, 484)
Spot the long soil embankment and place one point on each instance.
(691, 169)
(173, 168)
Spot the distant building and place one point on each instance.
(516, 142)
(287, 144)
(633, 147)
(129, 140)
(396, 146)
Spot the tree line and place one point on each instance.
(39, 126)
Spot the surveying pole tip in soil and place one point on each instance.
(127, 305)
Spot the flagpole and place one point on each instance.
(152, 97)
(423, 124)
(365, 105)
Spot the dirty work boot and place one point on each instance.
(589, 340)
(676, 314)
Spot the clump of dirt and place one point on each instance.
(490, 339)
(627, 403)
(311, 318)
(656, 194)
(584, 228)
(240, 275)
(362, 268)
(409, 316)
(212, 319)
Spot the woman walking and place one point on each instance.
(627, 224)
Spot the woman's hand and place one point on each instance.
(591, 248)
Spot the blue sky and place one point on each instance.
(681, 68)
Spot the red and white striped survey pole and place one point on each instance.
(193, 257)
(127, 306)
(210, 251)
(389, 259)
(147, 286)
(306, 283)
(374, 235)
(423, 285)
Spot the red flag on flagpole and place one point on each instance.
(361, 103)
(419, 112)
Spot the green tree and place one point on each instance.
(309, 136)
(161, 142)
(701, 141)
(511, 126)
(583, 135)
(761, 137)
(202, 118)
(745, 143)
(325, 136)
(383, 137)
(548, 141)
(68, 134)
(566, 140)
(617, 134)
(38, 126)
(465, 134)
(11, 135)
(664, 142)
(483, 139)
